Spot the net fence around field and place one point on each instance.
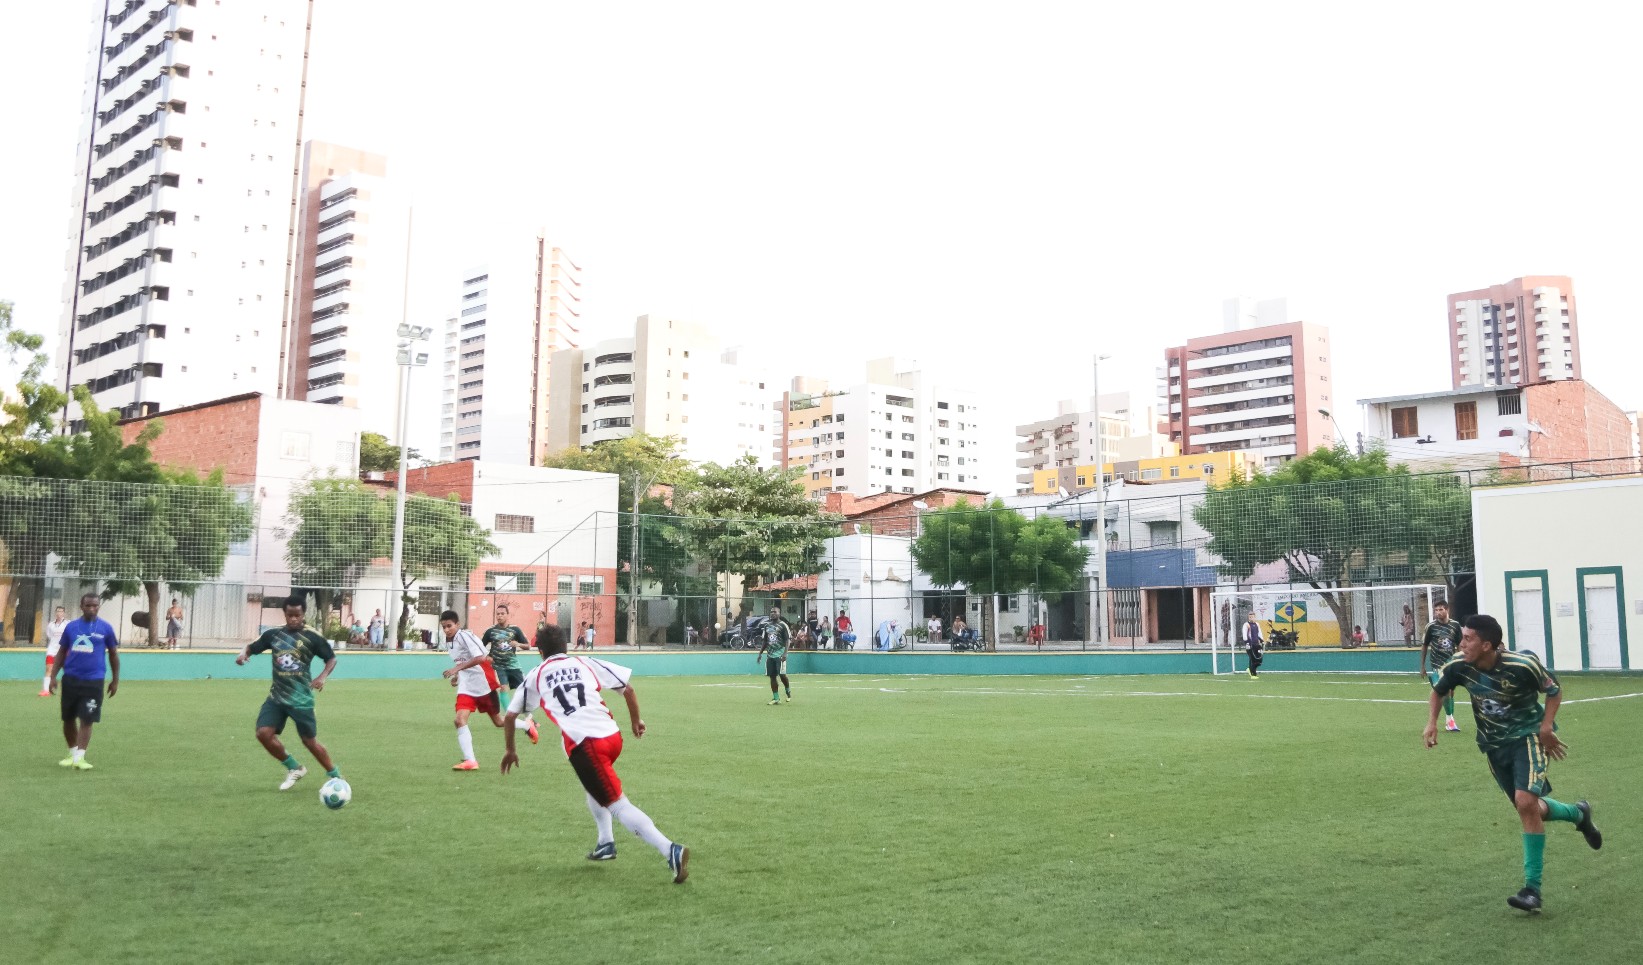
(1149, 569)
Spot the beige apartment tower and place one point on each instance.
(1520, 332)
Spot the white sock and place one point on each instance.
(601, 819)
(521, 723)
(640, 823)
(79, 753)
(45, 682)
(465, 740)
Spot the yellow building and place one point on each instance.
(1212, 467)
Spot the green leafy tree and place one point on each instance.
(335, 528)
(1334, 518)
(377, 454)
(30, 413)
(994, 550)
(755, 522)
(439, 538)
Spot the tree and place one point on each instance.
(1335, 519)
(377, 454)
(993, 550)
(755, 522)
(337, 526)
(28, 417)
(439, 537)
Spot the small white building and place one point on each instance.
(1560, 565)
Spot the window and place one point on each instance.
(1466, 420)
(1174, 472)
(941, 405)
(1404, 423)
(294, 445)
(506, 582)
(1209, 470)
(590, 585)
(511, 523)
(1151, 473)
(1509, 403)
(430, 599)
(906, 455)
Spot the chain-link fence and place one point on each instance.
(210, 566)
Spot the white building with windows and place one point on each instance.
(516, 311)
(900, 431)
(1128, 430)
(670, 378)
(180, 247)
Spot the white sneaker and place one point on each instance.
(292, 777)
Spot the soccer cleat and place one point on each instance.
(533, 733)
(678, 859)
(1450, 725)
(790, 698)
(466, 766)
(605, 851)
(1526, 900)
(1593, 836)
(292, 777)
(80, 765)
(45, 693)
(66, 762)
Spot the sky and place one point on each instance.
(998, 191)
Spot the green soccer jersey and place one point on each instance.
(1505, 698)
(293, 651)
(501, 641)
(776, 638)
(1440, 641)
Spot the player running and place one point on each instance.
(1439, 641)
(774, 651)
(87, 641)
(476, 686)
(291, 698)
(504, 641)
(568, 689)
(54, 642)
(1517, 735)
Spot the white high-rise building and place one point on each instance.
(897, 432)
(516, 310)
(181, 245)
(353, 236)
(671, 378)
(1128, 430)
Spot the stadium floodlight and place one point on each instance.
(408, 359)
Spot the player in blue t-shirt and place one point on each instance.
(87, 643)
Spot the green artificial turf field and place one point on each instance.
(918, 819)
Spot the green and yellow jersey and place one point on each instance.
(776, 638)
(1440, 641)
(294, 651)
(1505, 698)
(504, 644)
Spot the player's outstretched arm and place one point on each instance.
(633, 710)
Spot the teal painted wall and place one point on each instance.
(189, 665)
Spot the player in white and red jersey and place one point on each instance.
(54, 641)
(476, 686)
(569, 690)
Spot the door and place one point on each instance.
(1529, 623)
(1602, 628)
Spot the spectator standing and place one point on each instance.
(1252, 645)
(376, 629)
(173, 624)
(1408, 621)
(934, 627)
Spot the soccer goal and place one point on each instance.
(1368, 616)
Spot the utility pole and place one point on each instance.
(1100, 512)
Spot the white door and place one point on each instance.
(1602, 628)
(1529, 623)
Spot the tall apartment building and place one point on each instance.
(671, 378)
(1068, 439)
(181, 241)
(516, 311)
(353, 234)
(897, 432)
(1257, 387)
(1519, 332)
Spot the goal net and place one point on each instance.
(1308, 619)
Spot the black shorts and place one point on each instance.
(775, 666)
(274, 715)
(82, 700)
(510, 677)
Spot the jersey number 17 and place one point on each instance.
(562, 693)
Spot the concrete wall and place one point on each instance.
(1561, 566)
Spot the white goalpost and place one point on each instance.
(1386, 616)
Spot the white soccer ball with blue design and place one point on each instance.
(335, 793)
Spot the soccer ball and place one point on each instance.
(335, 793)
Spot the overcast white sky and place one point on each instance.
(998, 190)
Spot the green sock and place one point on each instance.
(1558, 811)
(290, 763)
(333, 772)
(1534, 858)
(1449, 704)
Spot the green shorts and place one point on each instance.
(1520, 766)
(274, 714)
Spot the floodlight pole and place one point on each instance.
(409, 335)
(1100, 512)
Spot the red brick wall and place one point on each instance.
(439, 481)
(1578, 422)
(220, 435)
(895, 516)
